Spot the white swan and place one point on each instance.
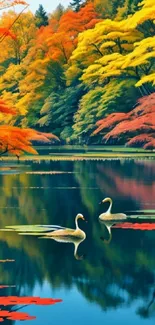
(52, 231)
(111, 216)
(68, 232)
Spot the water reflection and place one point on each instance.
(118, 276)
(6, 261)
(107, 225)
(146, 310)
(75, 241)
(135, 226)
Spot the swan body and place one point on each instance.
(111, 216)
(65, 233)
(52, 231)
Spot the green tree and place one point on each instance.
(59, 109)
(58, 12)
(41, 17)
(76, 4)
(99, 102)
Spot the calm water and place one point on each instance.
(108, 281)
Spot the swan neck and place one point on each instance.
(110, 206)
(76, 223)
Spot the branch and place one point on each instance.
(4, 35)
(98, 50)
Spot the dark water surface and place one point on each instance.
(108, 281)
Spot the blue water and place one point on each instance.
(111, 282)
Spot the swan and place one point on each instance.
(111, 216)
(52, 231)
(69, 233)
(60, 234)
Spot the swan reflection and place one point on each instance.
(68, 240)
(108, 225)
(125, 225)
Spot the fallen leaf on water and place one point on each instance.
(14, 300)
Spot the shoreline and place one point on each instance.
(87, 157)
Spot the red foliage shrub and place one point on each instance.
(134, 128)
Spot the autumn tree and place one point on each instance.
(63, 40)
(23, 27)
(58, 12)
(6, 31)
(45, 64)
(81, 67)
(136, 128)
(41, 17)
(106, 55)
(4, 4)
(114, 9)
(14, 140)
(127, 8)
(99, 102)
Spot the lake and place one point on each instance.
(111, 277)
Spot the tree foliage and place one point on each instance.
(102, 101)
(76, 4)
(41, 17)
(14, 140)
(59, 111)
(136, 128)
(78, 66)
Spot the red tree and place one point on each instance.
(136, 128)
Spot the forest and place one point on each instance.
(78, 75)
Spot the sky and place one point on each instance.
(49, 5)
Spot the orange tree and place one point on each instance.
(14, 140)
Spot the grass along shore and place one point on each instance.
(57, 153)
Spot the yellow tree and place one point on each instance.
(46, 60)
(117, 48)
(116, 55)
(24, 29)
(13, 139)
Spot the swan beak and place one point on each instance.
(84, 219)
